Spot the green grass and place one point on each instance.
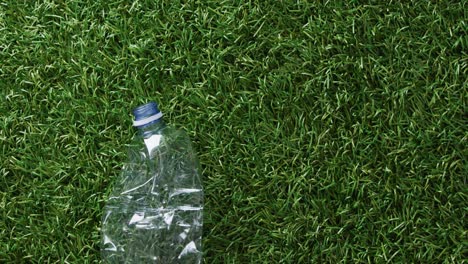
(327, 132)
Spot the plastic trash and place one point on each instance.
(155, 211)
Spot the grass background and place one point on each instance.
(327, 131)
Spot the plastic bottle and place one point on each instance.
(155, 211)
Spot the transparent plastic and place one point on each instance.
(155, 211)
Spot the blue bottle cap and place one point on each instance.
(145, 114)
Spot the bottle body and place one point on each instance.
(155, 211)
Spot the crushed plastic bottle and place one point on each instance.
(155, 211)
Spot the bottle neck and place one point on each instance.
(152, 128)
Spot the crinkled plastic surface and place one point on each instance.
(155, 211)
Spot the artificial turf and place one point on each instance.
(327, 131)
